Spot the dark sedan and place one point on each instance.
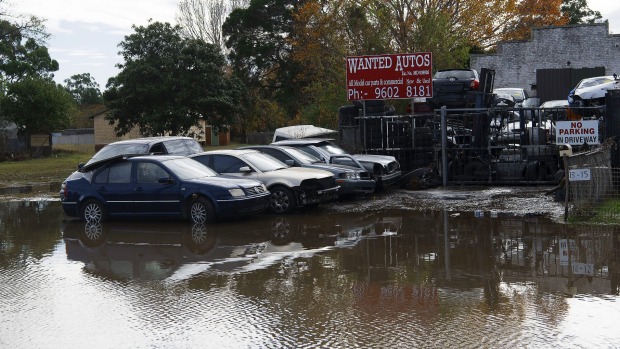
(351, 180)
(159, 186)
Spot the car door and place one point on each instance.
(152, 197)
(113, 183)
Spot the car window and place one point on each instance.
(459, 74)
(227, 164)
(516, 93)
(303, 156)
(309, 150)
(113, 150)
(115, 173)
(594, 81)
(343, 161)
(332, 148)
(276, 154)
(264, 162)
(148, 172)
(186, 168)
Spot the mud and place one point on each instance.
(513, 201)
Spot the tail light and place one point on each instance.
(473, 84)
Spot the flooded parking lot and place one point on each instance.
(346, 276)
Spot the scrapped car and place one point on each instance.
(591, 92)
(554, 109)
(383, 169)
(290, 187)
(518, 94)
(170, 145)
(158, 186)
(352, 180)
(452, 87)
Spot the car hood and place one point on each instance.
(330, 168)
(301, 173)
(597, 91)
(226, 182)
(379, 159)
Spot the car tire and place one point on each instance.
(93, 211)
(201, 211)
(282, 200)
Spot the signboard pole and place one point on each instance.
(566, 185)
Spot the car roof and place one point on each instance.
(148, 140)
(233, 152)
(302, 141)
(102, 162)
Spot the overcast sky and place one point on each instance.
(86, 33)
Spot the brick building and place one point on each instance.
(553, 61)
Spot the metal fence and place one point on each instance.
(500, 146)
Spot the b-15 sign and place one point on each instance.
(395, 76)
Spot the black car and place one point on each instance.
(352, 180)
(164, 145)
(452, 88)
(158, 186)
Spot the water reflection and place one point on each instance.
(167, 250)
(315, 279)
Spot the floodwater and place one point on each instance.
(390, 278)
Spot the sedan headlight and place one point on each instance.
(349, 175)
(236, 192)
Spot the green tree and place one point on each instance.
(578, 12)
(21, 56)
(38, 105)
(168, 83)
(84, 89)
(258, 38)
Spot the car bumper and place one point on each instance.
(70, 208)
(235, 207)
(356, 186)
(313, 196)
(389, 179)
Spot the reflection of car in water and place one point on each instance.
(172, 251)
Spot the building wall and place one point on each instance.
(584, 46)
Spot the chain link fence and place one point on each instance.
(592, 185)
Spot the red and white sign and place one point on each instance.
(395, 76)
(577, 132)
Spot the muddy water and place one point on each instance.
(393, 278)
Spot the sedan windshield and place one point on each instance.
(332, 148)
(264, 162)
(594, 81)
(302, 156)
(186, 168)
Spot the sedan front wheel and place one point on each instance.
(201, 211)
(282, 200)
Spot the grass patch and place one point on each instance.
(606, 213)
(54, 168)
(51, 169)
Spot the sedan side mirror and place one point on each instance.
(165, 180)
(290, 162)
(245, 169)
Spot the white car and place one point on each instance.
(591, 92)
(290, 187)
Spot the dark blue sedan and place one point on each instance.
(159, 186)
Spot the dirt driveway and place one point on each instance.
(516, 201)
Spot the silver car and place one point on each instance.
(290, 187)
